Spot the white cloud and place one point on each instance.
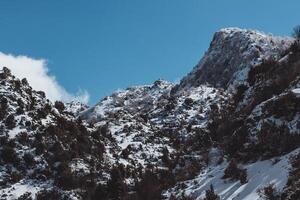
(37, 74)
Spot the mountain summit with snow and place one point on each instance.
(231, 54)
(229, 130)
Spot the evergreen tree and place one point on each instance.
(296, 32)
(116, 186)
(149, 188)
(210, 194)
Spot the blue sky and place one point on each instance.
(106, 45)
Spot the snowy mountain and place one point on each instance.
(229, 130)
(231, 54)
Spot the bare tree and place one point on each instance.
(296, 32)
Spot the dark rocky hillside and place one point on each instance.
(43, 146)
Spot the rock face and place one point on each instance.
(229, 130)
(230, 55)
(75, 107)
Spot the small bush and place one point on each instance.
(269, 193)
(15, 177)
(295, 46)
(59, 106)
(10, 122)
(3, 108)
(210, 194)
(239, 95)
(25, 196)
(28, 123)
(116, 186)
(243, 176)
(9, 155)
(65, 179)
(126, 152)
(39, 145)
(50, 194)
(100, 192)
(17, 85)
(41, 93)
(6, 73)
(188, 101)
(150, 187)
(23, 138)
(182, 197)
(235, 173)
(24, 81)
(19, 111)
(259, 72)
(29, 160)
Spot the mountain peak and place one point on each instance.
(231, 54)
(231, 30)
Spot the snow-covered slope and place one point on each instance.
(75, 107)
(260, 174)
(144, 120)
